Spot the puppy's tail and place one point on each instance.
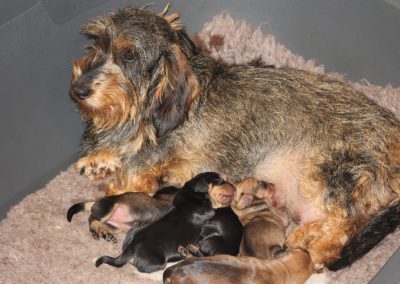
(117, 261)
(380, 226)
(78, 207)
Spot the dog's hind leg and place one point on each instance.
(382, 225)
(355, 189)
(101, 212)
(99, 229)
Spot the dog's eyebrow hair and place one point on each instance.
(98, 62)
(154, 63)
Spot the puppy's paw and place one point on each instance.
(244, 201)
(279, 251)
(184, 252)
(266, 191)
(102, 230)
(194, 250)
(109, 237)
(98, 165)
(94, 234)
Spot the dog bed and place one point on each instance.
(38, 245)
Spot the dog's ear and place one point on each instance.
(186, 44)
(200, 182)
(175, 92)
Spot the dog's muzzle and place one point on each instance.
(81, 91)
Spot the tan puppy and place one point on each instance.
(264, 225)
(293, 267)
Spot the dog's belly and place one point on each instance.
(121, 217)
(286, 170)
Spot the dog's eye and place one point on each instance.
(88, 48)
(128, 56)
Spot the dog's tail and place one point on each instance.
(380, 226)
(78, 207)
(113, 261)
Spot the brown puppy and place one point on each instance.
(123, 212)
(293, 267)
(264, 225)
(158, 110)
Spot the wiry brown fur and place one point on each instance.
(167, 111)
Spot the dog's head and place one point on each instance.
(212, 188)
(135, 72)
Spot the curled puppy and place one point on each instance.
(264, 225)
(294, 267)
(125, 211)
(192, 216)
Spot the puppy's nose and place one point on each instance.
(81, 91)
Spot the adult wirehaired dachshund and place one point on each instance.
(158, 111)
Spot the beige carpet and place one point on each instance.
(38, 245)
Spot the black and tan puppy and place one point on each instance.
(191, 219)
(158, 111)
(124, 212)
(264, 226)
(292, 267)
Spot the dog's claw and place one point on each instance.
(184, 252)
(109, 238)
(194, 250)
(95, 235)
(82, 171)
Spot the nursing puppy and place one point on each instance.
(292, 267)
(193, 217)
(264, 225)
(124, 212)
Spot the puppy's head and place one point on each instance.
(251, 189)
(213, 187)
(221, 195)
(136, 74)
(201, 182)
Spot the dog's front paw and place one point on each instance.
(98, 165)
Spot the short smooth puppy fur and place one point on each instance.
(292, 267)
(200, 214)
(264, 225)
(124, 212)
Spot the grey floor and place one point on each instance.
(40, 129)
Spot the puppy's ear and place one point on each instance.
(200, 186)
(176, 90)
(213, 178)
(200, 182)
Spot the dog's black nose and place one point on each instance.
(81, 91)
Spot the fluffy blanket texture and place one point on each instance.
(38, 245)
